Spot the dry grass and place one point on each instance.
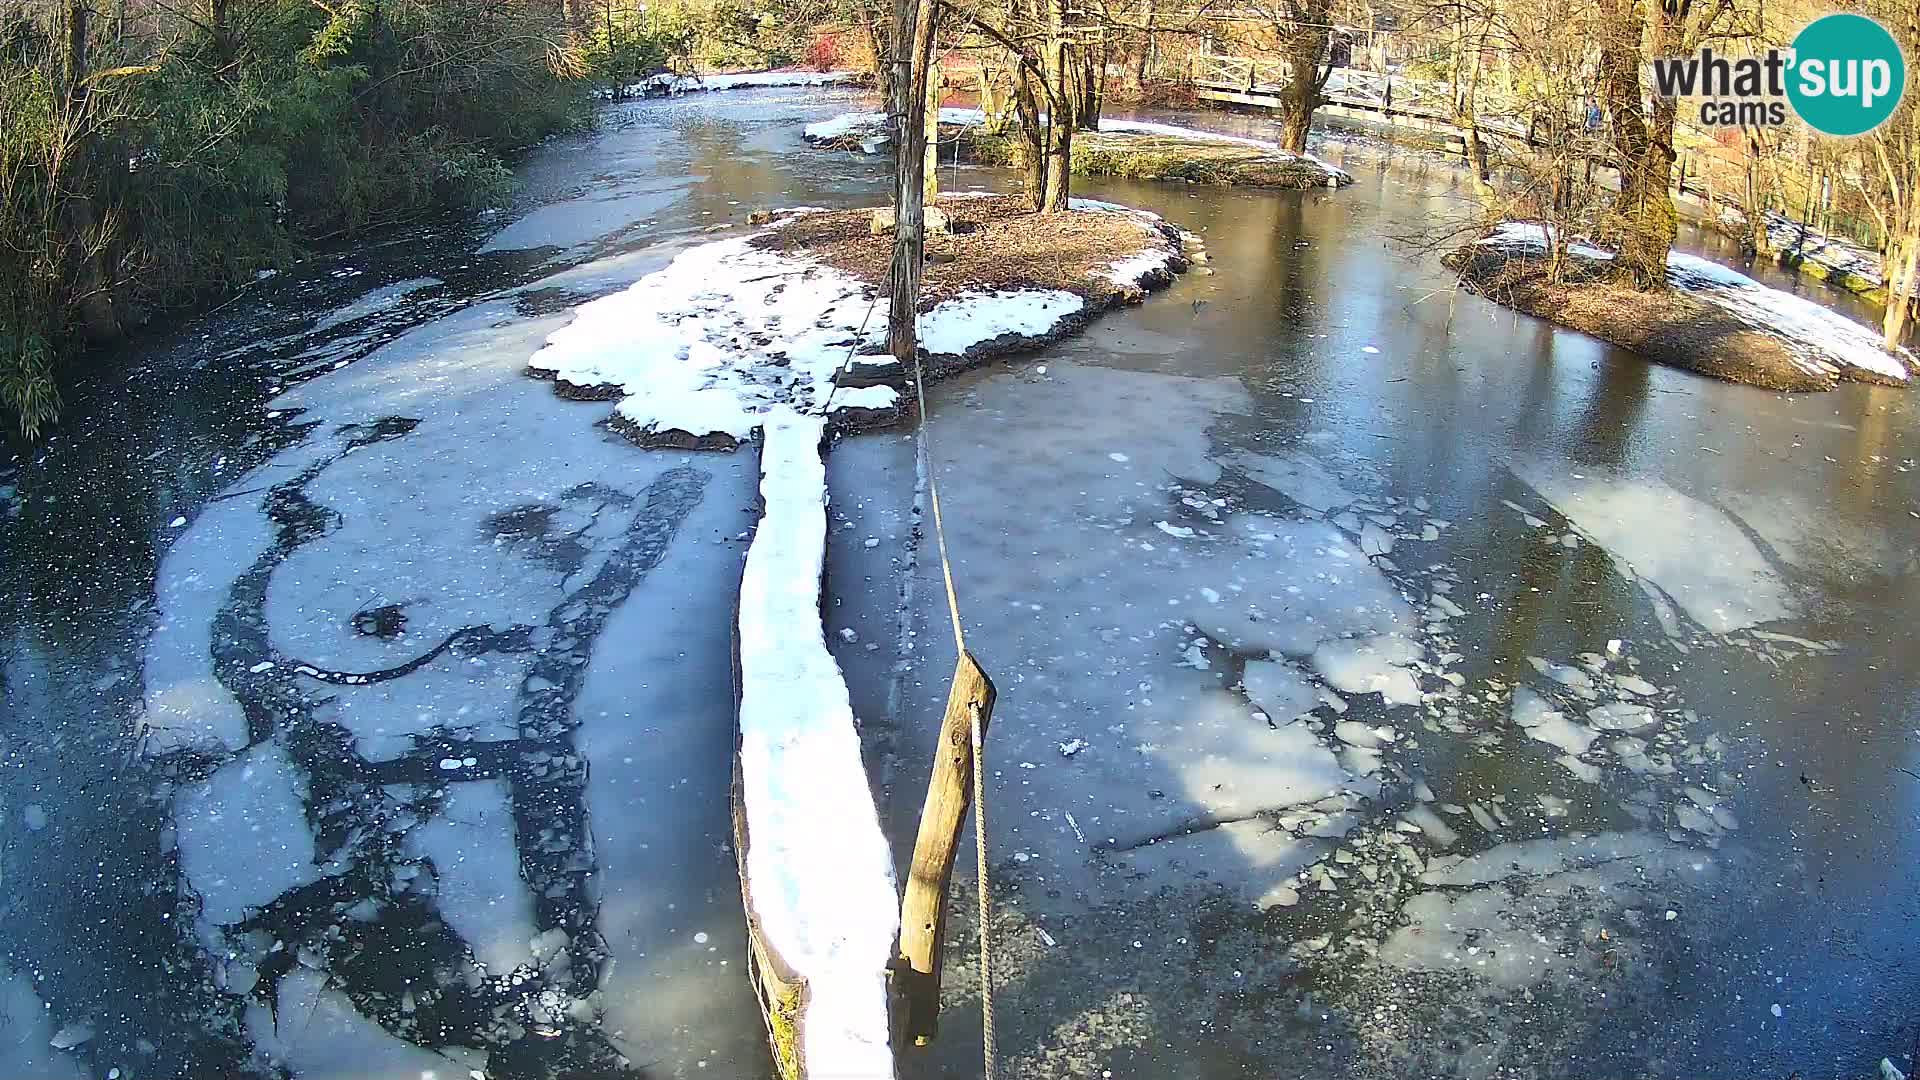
(997, 243)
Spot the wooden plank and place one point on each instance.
(923, 910)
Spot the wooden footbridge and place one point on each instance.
(1375, 97)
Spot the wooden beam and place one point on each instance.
(923, 911)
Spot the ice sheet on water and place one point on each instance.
(27, 1035)
(243, 834)
(1279, 689)
(374, 302)
(1817, 537)
(1103, 659)
(1678, 547)
(1622, 716)
(319, 1035)
(1265, 856)
(185, 703)
(1511, 915)
(1229, 766)
(1433, 825)
(1299, 476)
(459, 541)
(481, 894)
(1371, 665)
(1542, 721)
(657, 791)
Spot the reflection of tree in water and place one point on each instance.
(372, 922)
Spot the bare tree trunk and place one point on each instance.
(1306, 32)
(1903, 286)
(1033, 156)
(913, 28)
(1642, 142)
(930, 130)
(1144, 59)
(1061, 104)
(1753, 200)
(1466, 111)
(873, 27)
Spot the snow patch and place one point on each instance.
(693, 346)
(1822, 341)
(956, 325)
(669, 83)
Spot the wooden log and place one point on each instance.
(923, 910)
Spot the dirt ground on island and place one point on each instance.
(995, 243)
(1667, 327)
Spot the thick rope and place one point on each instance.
(980, 872)
(985, 895)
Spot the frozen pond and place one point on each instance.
(1391, 685)
(1446, 694)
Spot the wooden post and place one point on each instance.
(923, 910)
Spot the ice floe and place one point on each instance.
(1680, 548)
(243, 834)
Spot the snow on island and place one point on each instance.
(1816, 346)
(698, 353)
(868, 132)
(777, 335)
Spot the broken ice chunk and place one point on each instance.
(1621, 716)
(1370, 665)
(1280, 689)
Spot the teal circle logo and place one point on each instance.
(1847, 75)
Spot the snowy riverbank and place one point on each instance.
(667, 83)
(1713, 319)
(1137, 148)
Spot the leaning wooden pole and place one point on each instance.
(923, 910)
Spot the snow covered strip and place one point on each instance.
(1821, 341)
(817, 875)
